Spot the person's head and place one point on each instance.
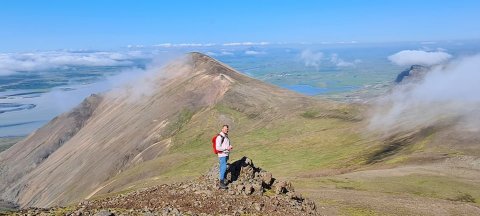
(225, 129)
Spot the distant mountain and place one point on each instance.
(413, 74)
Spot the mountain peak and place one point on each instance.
(125, 129)
(205, 64)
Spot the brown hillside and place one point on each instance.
(73, 156)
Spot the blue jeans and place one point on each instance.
(223, 167)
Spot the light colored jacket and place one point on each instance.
(222, 147)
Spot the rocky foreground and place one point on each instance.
(251, 191)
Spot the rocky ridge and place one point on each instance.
(251, 190)
(414, 74)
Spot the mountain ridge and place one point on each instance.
(157, 131)
(102, 146)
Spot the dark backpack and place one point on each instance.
(214, 143)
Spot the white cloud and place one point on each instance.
(16, 62)
(246, 44)
(441, 49)
(136, 85)
(314, 59)
(226, 53)
(5, 72)
(223, 53)
(252, 52)
(342, 63)
(163, 45)
(420, 57)
(135, 46)
(168, 45)
(337, 42)
(190, 45)
(311, 59)
(447, 91)
(211, 53)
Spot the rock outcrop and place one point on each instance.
(414, 74)
(251, 191)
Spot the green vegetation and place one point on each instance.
(311, 147)
(310, 114)
(7, 142)
(287, 147)
(358, 211)
(183, 117)
(464, 197)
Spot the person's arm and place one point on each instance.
(229, 147)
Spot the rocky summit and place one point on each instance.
(251, 190)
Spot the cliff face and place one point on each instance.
(74, 155)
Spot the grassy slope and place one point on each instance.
(309, 148)
(289, 146)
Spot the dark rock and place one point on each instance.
(258, 189)
(414, 74)
(248, 189)
(295, 196)
(280, 187)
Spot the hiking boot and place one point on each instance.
(222, 185)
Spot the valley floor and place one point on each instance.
(451, 187)
(331, 201)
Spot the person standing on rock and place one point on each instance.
(223, 147)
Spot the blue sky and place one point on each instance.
(107, 24)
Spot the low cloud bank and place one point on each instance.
(246, 44)
(337, 61)
(419, 57)
(312, 59)
(253, 52)
(222, 53)
(171, 45)
(17, 62)
(315, 59)
(448, 92)
(136, 85)
(131, 85)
